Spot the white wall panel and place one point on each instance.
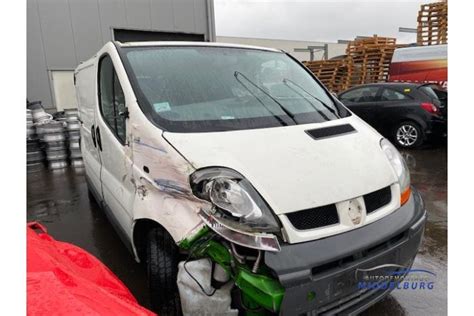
(57, 33)
(138, 14)
(183, 12)
(86, 27)
(37, 81)
(112, 14)
(162, 16)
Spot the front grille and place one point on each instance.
(314, 217)
(377, 199)
(327, 215)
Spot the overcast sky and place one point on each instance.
(316, 20)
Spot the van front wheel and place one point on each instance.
(162, 269)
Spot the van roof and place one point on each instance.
(203, 44)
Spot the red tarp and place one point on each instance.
(63, 279)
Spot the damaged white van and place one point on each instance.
(241, 181)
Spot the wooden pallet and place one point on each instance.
(370, 59)
(433, 24)
(334, 74)
(367, 61)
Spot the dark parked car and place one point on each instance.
(407, 113)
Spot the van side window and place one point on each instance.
(111, 98)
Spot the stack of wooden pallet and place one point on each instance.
(367, 61)
(370, 59)
(334, 74)
(433, 24)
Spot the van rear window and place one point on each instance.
(203, 89)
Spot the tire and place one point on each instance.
(90, 193)
(162, 269)
(408, 134)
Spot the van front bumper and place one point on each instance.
(322, 276)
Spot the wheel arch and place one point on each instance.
(410, 118)
(140, 230)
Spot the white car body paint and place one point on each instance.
(293, 171)
(117, 173)
(287, 167)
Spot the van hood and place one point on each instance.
(291, 170)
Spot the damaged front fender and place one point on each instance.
(259, 289)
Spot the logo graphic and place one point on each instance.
(394, 276)
(355, 212)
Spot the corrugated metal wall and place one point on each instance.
(62, 33)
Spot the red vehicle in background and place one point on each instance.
(421, 64)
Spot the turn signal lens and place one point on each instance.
(405, 196)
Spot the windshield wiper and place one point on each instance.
(330, 109)
(291, 115)
(309, 102)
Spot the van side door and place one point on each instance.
(115, 153)
(86, 90)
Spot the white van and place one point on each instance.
(240, 155)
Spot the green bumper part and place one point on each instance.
(258, 289)
(261, 289)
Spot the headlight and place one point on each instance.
(229, 195)
(400, 167)
(240, 213)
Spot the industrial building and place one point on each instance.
(301, 50)
(62, 33)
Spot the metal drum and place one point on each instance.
(34, 156)
(56, 146)
(54, 137)
(74, 144)
(31, 133)
(72, 116)
(75, 153)
(71, 112)
(56, 154)
(50, 127)
(57, 164)
(74, 135)
(77, 163)
(29, 117)
(73, 125)
(32, 145)
(34, 167)
(40, 116)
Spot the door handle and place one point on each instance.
(93, 135)
(99, 140)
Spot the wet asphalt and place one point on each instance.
(61, 202)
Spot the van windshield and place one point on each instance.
(204, 89)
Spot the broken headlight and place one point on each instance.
(238, 213)
(235, 201)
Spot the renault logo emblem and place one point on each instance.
(355, 212)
